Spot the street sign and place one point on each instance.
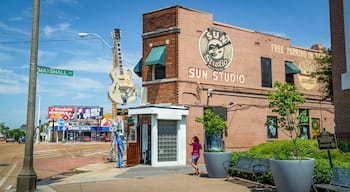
(60, 122)
(326, 141)
(52, 71)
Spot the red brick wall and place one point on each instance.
(157, 20)
(162, 93)
(341, 98)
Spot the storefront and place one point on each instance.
(192, 61)
(162, 135)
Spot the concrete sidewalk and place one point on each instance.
(105, 177)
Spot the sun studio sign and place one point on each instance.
(216, 49)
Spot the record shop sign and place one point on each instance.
(52, 71)
(326, 140)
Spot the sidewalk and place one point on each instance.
(142, 178)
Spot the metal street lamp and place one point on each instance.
(82, 35)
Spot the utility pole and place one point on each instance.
(26, 180)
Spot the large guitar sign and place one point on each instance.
(122, 90)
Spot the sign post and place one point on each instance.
(327, 141)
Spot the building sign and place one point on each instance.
(205, 74)
(307, 65)
(215, 48)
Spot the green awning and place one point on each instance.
(291, 68)
(138, 68)
(156, 56)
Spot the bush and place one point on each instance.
(307, 148)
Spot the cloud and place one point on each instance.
(11, 83)
(68, 2)
(4, 26)
(50, 31)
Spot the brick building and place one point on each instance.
(340, 38)
(191, 61)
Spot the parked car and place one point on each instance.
(10, 139)
(106, 139)
(85, 139)
(22, 139)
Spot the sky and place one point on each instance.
(304, 22)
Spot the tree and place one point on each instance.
(323, 75)
(4, 129)
(214, 126)
(285, 101)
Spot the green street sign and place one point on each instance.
(52, 71)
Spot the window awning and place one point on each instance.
(291, 68)
(138, 68)
(156, 56)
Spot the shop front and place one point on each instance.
(158, 135)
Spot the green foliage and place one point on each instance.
(307, 148)
(323, 74)
(15, 133)
(3, 129)
(213, 124)
(285, 101)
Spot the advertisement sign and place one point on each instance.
(88, 112)
(55, 112)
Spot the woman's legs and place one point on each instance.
(194, 164)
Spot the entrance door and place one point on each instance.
(133, 149)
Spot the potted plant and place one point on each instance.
(290, 173)
(217, 161)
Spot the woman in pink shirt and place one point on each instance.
(196, 147)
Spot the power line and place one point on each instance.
(45, 41)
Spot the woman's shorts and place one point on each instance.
(195, 159)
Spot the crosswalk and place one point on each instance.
(71, 152)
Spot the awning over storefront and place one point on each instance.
(156, 56)
(138, 68)
(291, 68)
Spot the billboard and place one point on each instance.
(74, 112)
(55, 112)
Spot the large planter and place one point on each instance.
(217, 163)
(292, 175)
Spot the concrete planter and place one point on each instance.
(217, 163)
(292, 175)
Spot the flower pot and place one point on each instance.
(217, 163)
(292, 175)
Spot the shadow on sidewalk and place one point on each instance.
(253, 186)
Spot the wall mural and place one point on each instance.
(215, 48)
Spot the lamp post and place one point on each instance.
(114, 104)
(26, 180)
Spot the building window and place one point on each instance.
(291, 69)
(167, 140)
(290, 78)
(158, 72)
(305, 128)
(266, 74)
(272, 127)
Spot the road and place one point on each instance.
(50, 159)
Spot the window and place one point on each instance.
(305, 128)
(167, 140)
(290, 78)
(266, 75)
(291, 69)
(272, 127)
(158, 72)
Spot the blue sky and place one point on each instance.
(304, 22)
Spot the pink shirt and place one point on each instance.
(196, 148)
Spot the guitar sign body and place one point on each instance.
(122, 90)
